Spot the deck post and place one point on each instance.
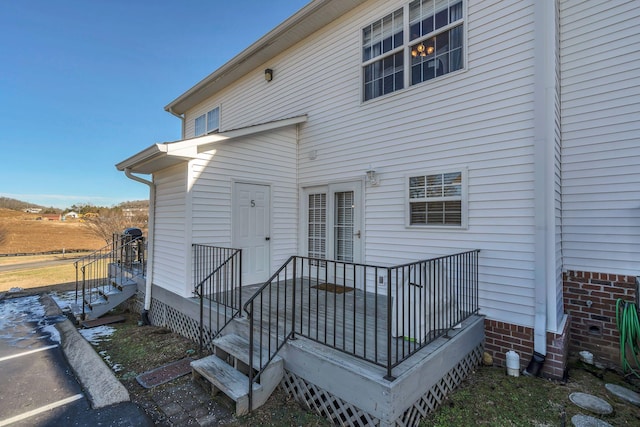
(293, 306)
(389, 376)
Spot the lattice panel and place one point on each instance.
(434, 397)
(343, 413)
(164, 315)
(325, 404)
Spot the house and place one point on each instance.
(385, 132)
(71, 215)
(51, 217)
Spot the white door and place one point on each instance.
(251, 228)
(334, 222)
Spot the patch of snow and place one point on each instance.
(54, 335)
(23, 322)
(97, 334)
(63, 299)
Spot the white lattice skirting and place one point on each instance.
(166, 316)
(342, 413)
(322, 402)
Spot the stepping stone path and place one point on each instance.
(624, 393)
(587, 421)
(591, 403)
(600, 406)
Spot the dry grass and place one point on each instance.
(25, 234)
(38, 277)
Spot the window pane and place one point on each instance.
(317, 225)
(439, 189)
(384, 76)
(344, 226)
(213, 120)
(382, 36)
(200, 125)
(418, 213)
(437, 56)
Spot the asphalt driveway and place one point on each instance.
(38, 387)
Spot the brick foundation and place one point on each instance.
(501, 337)
(591, 298)
(590, 303)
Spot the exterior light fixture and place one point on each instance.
(268, 74)
(372, 177)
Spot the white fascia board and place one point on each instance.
(146, 155)
(209, 141)
(161, 156)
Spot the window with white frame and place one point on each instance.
(437, 199)
(200, 125)
(429, 40)
(207, 123)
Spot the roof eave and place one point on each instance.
(164, 155)
(305, 22)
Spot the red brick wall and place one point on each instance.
(590, 299)
(501, 337)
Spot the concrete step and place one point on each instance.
(238, 347)
(225, 378)
(228, 368)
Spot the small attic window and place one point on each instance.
(213, 120)
(207, 123)
(200, 125)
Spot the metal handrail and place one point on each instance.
(113, 261)
(424, 300)
(223, 267)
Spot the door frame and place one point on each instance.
(357, 186)
(235, 220)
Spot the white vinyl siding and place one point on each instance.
(601, 136)
(268, 158)
(170, 255)
(480, 119)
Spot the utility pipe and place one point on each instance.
(150, 252)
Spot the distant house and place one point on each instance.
(51, 217)
(71, 215)
(33, 210)
(386, 132)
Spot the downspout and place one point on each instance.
(182, 119)
(543, 99)
(144, 316)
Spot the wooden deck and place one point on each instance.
(353, 321)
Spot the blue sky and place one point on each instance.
(83, 85)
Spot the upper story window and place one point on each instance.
(383, 55)
(207, 123)
(430, 40)
(437, 199)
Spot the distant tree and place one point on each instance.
(110, 221)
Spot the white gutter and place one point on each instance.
(150, 245)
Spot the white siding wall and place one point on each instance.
(169, 238)
(601, 136)
(480, 118)
(268, 158)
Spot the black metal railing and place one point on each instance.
(379, 314)
(218, 285)
(120, 261)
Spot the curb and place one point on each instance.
(101, 385)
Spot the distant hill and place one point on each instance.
(19, 205)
